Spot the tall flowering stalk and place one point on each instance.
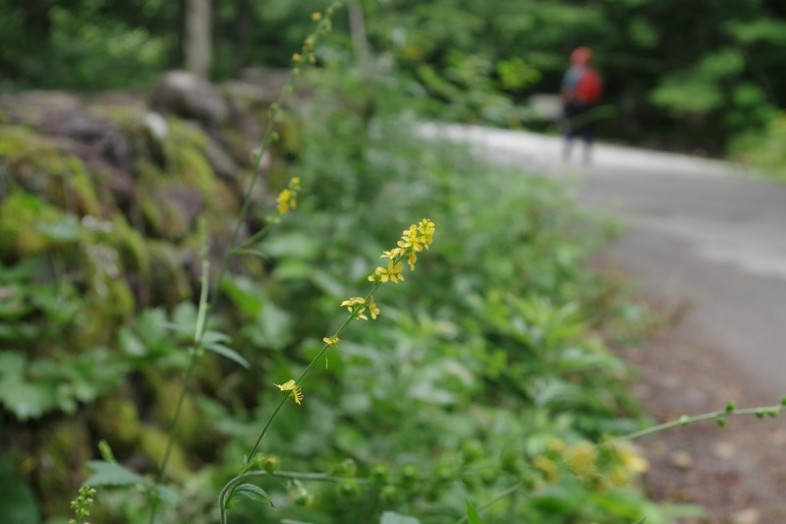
(416, 239)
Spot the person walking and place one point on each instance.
(582, 89)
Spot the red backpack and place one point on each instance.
(589, 89)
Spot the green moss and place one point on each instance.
(184, 156)
(36, 164)
(117, 421)
(65, 449)
(190, 431)
(163, 217)
(131, 246)
(153, 443)
(169, 284)
(21, 218)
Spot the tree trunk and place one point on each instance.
(243, 24)
(198, 41)
(357, 27)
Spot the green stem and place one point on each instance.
(300, 379)
(771, 411)
(199, 332)
(226, 493)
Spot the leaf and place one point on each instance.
(472, 514)
(165, 494)
(251, 492)
(111, 474)
(64, 231)
(229, 353)
(17, 502)
(391, 517)
(12, 364)
(27, 400)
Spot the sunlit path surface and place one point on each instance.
(700, 234)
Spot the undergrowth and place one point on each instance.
(480, 387)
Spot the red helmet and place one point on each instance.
(581, 56)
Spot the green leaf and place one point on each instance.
(27, 400)
(165, 494)
(12, 364)
(251, 492)
(229, 353)
(472, 514)
(111, 474)
(390, 517)
(17, 502)
(63, 231)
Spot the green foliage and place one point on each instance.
(17, 501)
(480, 361)
(765, 150)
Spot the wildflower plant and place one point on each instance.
(416, 238)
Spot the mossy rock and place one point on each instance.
(169, 282)
(153, 443)
(116, 420)
(170, 208)
(192, 432)
(65, 447)
(23, 219)
(35, 163)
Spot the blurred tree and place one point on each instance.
(198, 42)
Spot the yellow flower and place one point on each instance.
(350, 303)
(331, 341)
(356, 306)
(393, 253)
(548, 468)
(286, 200)
(630, 459)
(291, 385)
(373, 310)
(619, 477)
(556, 446)
(582, 457)
(392, 272)
(316, 17)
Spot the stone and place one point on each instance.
(186, 95)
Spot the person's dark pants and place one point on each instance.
(578, 123)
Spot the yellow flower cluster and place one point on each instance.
(628, 464)
(413, 240)
(287, 198)
(548, 467)
(291, 385)
(357, 307)
(582, 458)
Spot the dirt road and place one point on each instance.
(708, 240)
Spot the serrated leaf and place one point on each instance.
(251, 492)
(229, 353)
(472, 514)
(391, 517)
(111, 474)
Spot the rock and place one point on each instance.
(682, 460)
(186, 95)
